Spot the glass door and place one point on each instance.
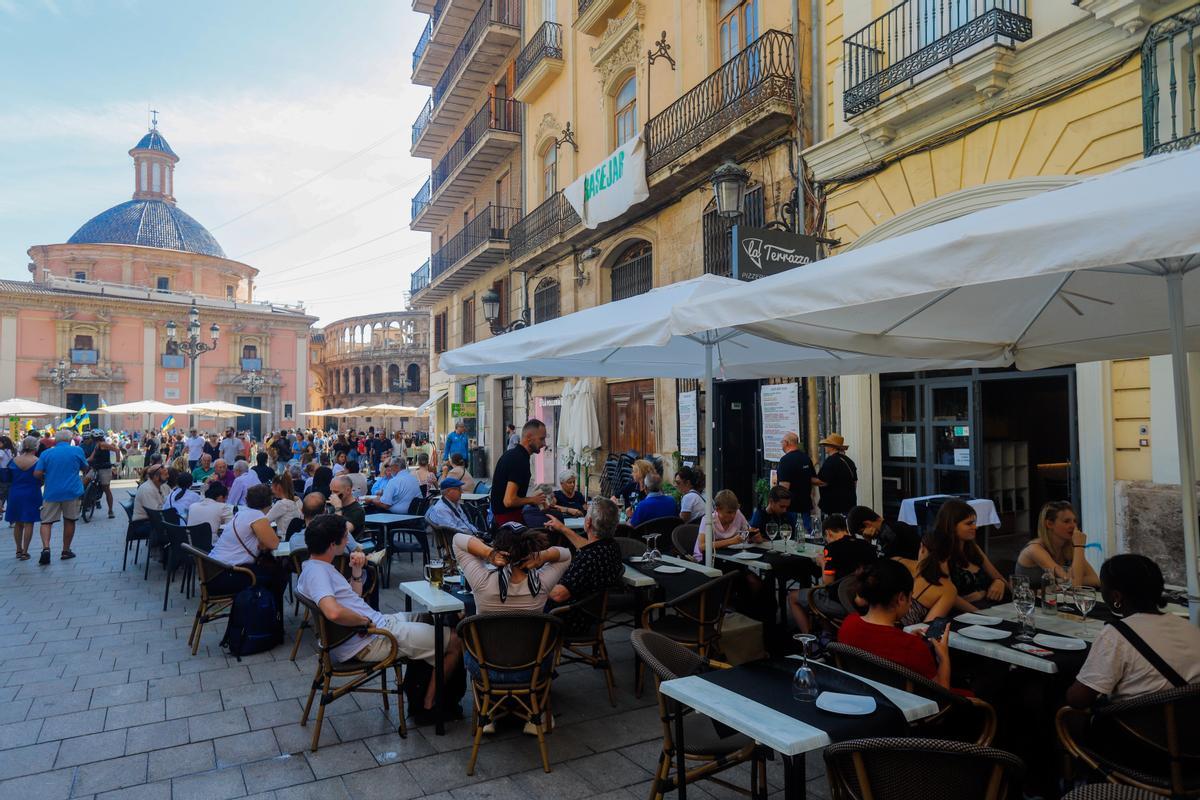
(948, 435)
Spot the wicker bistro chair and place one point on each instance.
(341, 564)
(213, 605)
(696, 618)
(669, 660)
(683, 539)
(1150, 741)
(920, 769)
(589, 647)
(1109, 791)
(958, 718)
(503, 644)
(358, 672)
(443, 545)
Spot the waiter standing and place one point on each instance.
(513, 474)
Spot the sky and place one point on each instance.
(292, 120)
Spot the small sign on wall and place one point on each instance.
(171, 394)
(171, 377)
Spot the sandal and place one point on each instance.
(45, 557)
(24, 555)
(66, 554)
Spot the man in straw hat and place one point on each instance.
(838, 477)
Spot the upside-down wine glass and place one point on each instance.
(804, 682)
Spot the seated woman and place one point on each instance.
(567, 498)
(358, 481)
(634, 490)
(1132, 586)
(526, 569)
(286, 507)
(181, 498)
(887, 587)
(1059, 547)
(457, 468)
(690, 483)
(728, 521)
(426, 475)
(974, 576)
(248, 534)
(934, 594)
(536, 516)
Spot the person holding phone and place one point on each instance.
(887, 587)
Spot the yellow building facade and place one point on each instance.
(933, 110)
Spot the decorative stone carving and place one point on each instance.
(1128, 15)
(620, 45)
(548, 126)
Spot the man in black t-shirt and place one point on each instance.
(512, 476)
(838, 477)
(797, 474)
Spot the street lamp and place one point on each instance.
(193, 348)
(729, 183)
(253, 381)
(60, 376)
(491, 312)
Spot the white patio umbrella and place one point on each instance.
(143, 407)
(564, 425)
(16, 407)
(635, 338)
(1096, 270)
(387, 410)
(585, 427)
(219, 409)
(329, 412)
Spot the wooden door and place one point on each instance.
(631, 410)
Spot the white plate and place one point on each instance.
(637, 559)
(984, 633)
(747, 556)
(740, 546)
(849, 704)
(1059, 642)
(452, 578)
(665, 570)
(977, 619)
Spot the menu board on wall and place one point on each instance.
(780, 414)
(688, 425)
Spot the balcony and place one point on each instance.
(490, 137)
(475, 249)
(540, 61)
(593, 15)
(448, 21)
(917, 38)
(1169, 97)
(747, 100)
(420, 200)
(420, 278)
(481, 51)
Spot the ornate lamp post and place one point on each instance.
(491, 312)
(61, 375)
(193, 348)
(253, 381)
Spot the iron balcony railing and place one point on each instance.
(1169, 96)
(584, 5)
(420, 200)
(917, 35)
(496, 115)
(492, 12)
(422, 121)
(546, 43)
(760, 72)
(490, 225)
(423, 43)
(551, 218)
(438, 8)
(420, 278)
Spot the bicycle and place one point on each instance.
(92, 494)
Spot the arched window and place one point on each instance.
(393, 377)
(546, 301)
(366, 375)
(378, 375)
(357, 381)
(346, 381)
(625, 111)
(549, 171)
(633, 271)
(337, 382)
(414, 378)
(249, 351)
(738, 26)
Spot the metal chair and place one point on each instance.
(696, 618)
(630, 547)
(134, 537)
(177, 536)
(213, 604)
(664, 526)
(294, 527)
(683, 539)
(515, 654)
(157, 536)
(330, 635)
(587, 646)
(702, 742)
(920, 769)
(1150, 741)
(958, 718)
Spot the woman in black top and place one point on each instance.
(971, 571)
(568, 499)
(321, 479)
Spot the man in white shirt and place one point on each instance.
(231, 448)
(341, 602)
(243, 480)
(212, 509)
(195, 448)
(447, 511)
(149, 495)
(401, 490)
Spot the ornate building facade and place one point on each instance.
(101, 302)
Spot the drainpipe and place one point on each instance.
(798, 86)
(816, 70)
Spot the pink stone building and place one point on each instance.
(102, 301)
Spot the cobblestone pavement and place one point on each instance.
(101, 696)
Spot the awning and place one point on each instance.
(425, 408)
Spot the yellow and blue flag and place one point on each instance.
(69, 422)
(82, 418)
(169, 422)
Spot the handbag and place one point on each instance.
(264, 561)
(1147, 652)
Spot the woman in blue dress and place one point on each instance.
(24, 496)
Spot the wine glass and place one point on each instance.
(785, 533)
(654, 556)
(804, 682)
(772, 530)
(647, 538)
(1085, 601)
(1024, 603)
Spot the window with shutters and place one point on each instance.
(546, 301)
(633, 271)
(439, 333)
(468, 320)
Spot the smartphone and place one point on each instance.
(937, 628)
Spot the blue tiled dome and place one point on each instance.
(148, 223)
(154, 141)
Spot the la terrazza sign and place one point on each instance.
(612, 187)
(759, 252)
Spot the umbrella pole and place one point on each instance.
(1183, 426)
(708, 450)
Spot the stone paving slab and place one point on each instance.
(100, 696)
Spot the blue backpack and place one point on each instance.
(254, 625)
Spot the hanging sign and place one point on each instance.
(689, 444)
(759, 252)
(780, 404)
(612, 187)
(465, 410)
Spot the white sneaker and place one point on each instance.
(489, 728)
(531, 730)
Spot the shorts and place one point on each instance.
(104, 475)
(415, 640)
(66, 509)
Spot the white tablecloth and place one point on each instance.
(985, 510)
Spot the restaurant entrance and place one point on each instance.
(737, 440)
(631, 407)
(999, 434)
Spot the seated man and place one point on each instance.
(313, 506)
(345, 503)
(779, 500)
(244, 479)
(656, 504)
(203, 470)
(448, 511)
(341, 602)
(596, 565)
